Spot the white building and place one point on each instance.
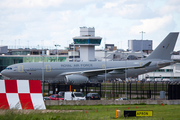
(87, 42)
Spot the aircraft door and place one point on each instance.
(48, 68)
(141, 64)
(20, 68)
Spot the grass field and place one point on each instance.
(98, 112)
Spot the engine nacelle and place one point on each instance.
(75, 79)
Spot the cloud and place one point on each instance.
(170, 7)
(110, 5)
(173, 2)
(29, 3)
(152, 25)
(37, 25)
(129, 9)
(59, 20)
(135, 11)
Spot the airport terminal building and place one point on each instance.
(6, 60)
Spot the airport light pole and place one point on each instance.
(73, 53)
(142, 34)
(142, 40)
(126, 80)
(43, 72)
(105, 75)
(57, 45)
(38, 49)
(121, 45)
(15, 43)
(142, 48)
(1, 42)
(19, 43)
(42, 43)
(28, 43)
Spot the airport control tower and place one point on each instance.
(87, 42)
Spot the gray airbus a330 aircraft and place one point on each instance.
(81, 72)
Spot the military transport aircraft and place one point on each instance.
(81, 72)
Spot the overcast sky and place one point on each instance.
(47, 22)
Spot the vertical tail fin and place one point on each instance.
(165, 48)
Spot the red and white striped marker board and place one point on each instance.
(21, 94)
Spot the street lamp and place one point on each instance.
(43, 72)
(56, 45)
(126, 80)
(19, 42)
(142, 40)
(38, 49)
(15, 43)
(105, 74)
(1, 42)
(28, 43)
(42, 43)
(74, 53)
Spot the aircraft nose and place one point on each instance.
(4, 73)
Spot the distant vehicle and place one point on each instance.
(46, 98)
(118, 79)
(122, 98)
(132, 79)
(158, 79)
(143, 80)
(166, 79)
(74, 96)
(61, 93)
(56, 97)
(149, 79)
(93, 96)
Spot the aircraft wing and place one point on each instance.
(102, 71)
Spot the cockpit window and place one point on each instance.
(8, 68)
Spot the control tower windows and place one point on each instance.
(87, 41)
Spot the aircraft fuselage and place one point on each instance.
(53, 69)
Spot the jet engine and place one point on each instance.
(75, 79)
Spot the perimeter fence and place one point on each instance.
(131, 90)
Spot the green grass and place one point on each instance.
(165, 112)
